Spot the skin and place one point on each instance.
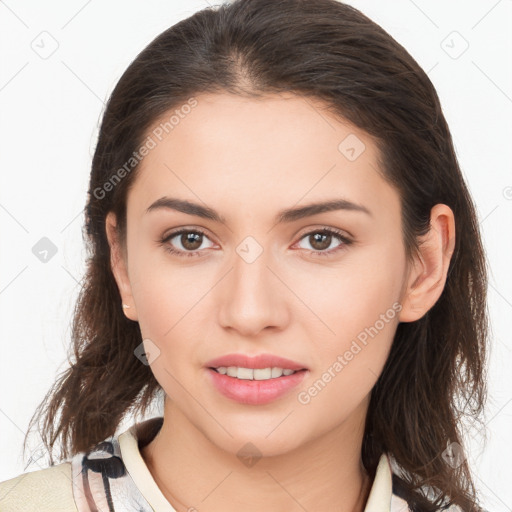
(248, 159)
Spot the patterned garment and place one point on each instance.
(101, 482)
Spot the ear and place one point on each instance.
(119, 267)
(427, 277)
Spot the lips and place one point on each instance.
(259, 361)
(255, 392)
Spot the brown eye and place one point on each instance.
(191, 240)
(185, 242)
(321, 240)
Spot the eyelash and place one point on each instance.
(326, 231)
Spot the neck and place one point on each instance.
(194, 473)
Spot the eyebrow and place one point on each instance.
(284, 216)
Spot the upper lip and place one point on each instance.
(259, 361)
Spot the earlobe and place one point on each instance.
(119, 269)
(427, 277)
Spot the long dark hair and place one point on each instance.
(435, 374)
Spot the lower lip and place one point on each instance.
(255, 392)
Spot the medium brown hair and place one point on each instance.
(435, 373)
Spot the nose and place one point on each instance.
(252, 296)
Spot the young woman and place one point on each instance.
(283, 245)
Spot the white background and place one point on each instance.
(50, 110)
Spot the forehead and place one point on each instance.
(279, 149)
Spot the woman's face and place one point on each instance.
(256, 283)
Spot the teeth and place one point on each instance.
(254, 374)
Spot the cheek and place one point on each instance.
(168, 300)
(163, 292)
(349, 355)
(165, 307)
(353, 313)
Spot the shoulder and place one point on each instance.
(43, 490)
